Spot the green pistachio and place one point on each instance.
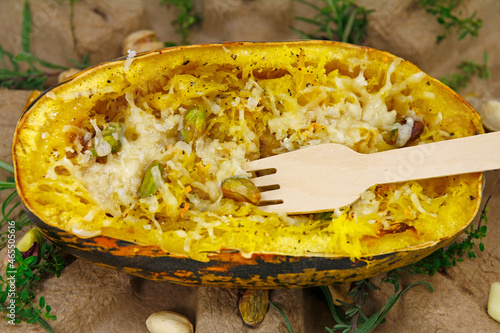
(253, 306)
(393, 136)
(240, 189)
(111, 134)
(149, 184)
(193, 124)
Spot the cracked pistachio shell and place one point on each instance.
(63, 76)
(240, 189)
(253, 306)
(490, 115)
(141, 41)
(29, 245)
(168, 321)
(494, 301)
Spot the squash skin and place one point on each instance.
(229, 268)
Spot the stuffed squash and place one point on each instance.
(136, 163)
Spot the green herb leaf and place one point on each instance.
(28, 271)
(30, 58)
(41, 303)
(84, 63)
(468, 69)
(353, 319)
(185, 18)
(339, 20)
(444, 11)
(11, 77)
(337, 315)
(377, 318)
(26, 28)
(283, 314)
(6, 167)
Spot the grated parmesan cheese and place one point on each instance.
(130, 57)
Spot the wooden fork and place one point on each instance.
(327, 176)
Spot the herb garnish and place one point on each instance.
(185, 19)
(24, 274)
(444, 10)
(10, 205)
(339, 20)
(353, 319)
(468, 69)
(11, 74)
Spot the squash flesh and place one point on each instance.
(301, 77)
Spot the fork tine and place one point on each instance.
(265, 180)
(274, 195)
(256, 165)
(275, 208)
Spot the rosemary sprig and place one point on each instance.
(26, 28)
(84, 63)
(468, 69)
(339, 20)
(350, 318)
(185, 19)
(444, 11)
(283, 314)
(6, 166)
(11, 74)
(353, 319)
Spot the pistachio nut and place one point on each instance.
(494, 301)
(141, 41)
(108, 141)
(193, 123)
(168, 321)
(63, 76)
(152, 180)
(112, 134)
(490, 115)
(240, 189)
(416, 131)
(253, 305)
(29, 245)
(406, 133)
(31, 98)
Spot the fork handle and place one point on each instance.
(445, 158)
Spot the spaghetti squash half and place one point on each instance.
(127, 159)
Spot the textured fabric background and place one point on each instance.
(88, 298)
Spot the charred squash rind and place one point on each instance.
(230, 269)
(227, 268)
